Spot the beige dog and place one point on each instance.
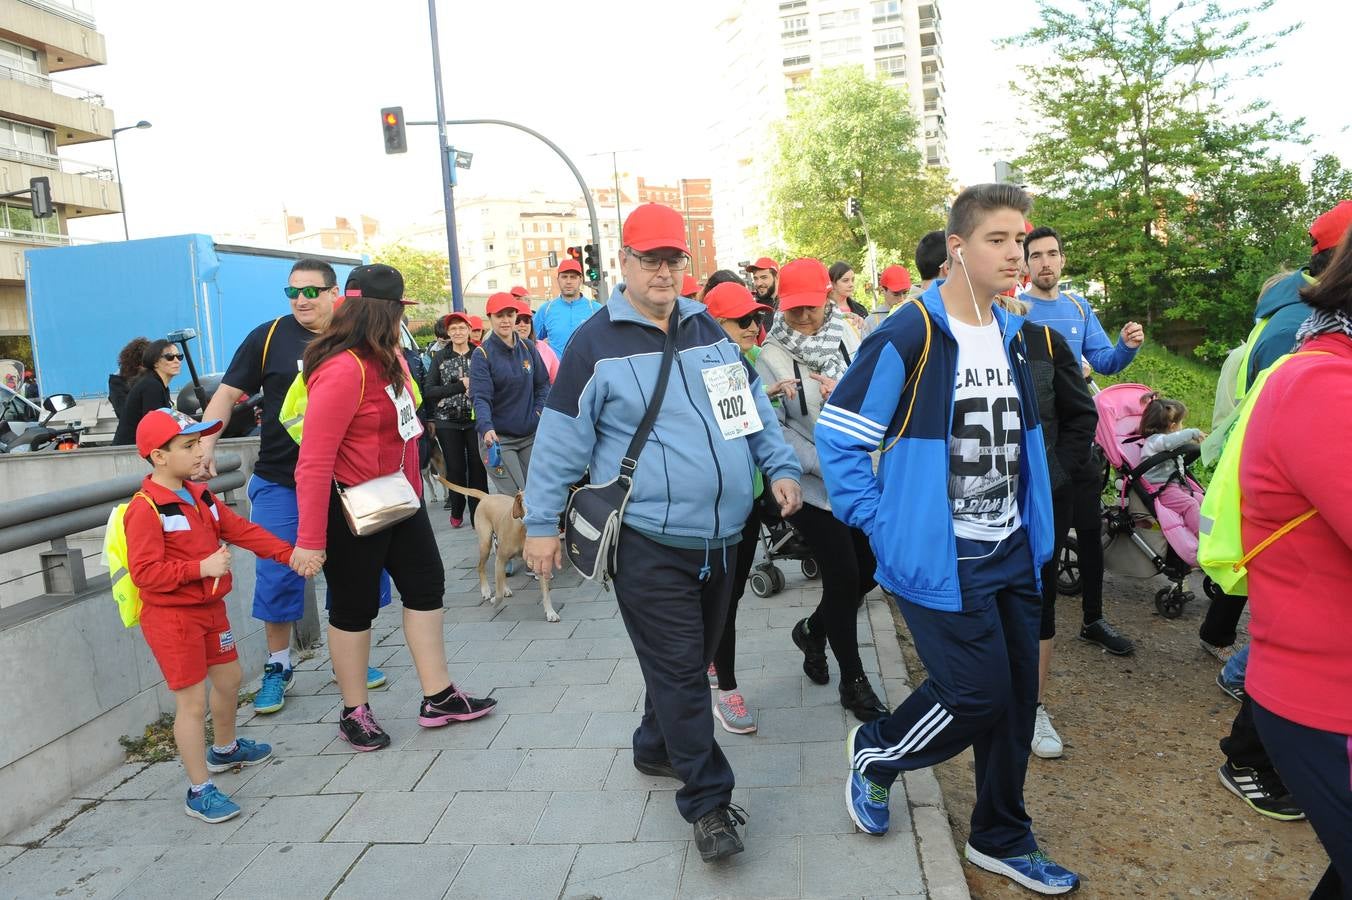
(498, 519)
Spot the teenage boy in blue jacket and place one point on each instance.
(959, 516)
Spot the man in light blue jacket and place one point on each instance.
(692, 492)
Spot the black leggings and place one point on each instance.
(1062, 503)
(725, 657)
(352, 567)
(1087, 518)
(460, 450)
(1221, 625)
(847, 565)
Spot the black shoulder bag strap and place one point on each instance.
(630, 461)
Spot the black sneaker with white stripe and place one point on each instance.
(1263, 791)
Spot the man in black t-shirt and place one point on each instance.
(269, 360)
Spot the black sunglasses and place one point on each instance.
(751, 318)
(310, 291)
(171, 357)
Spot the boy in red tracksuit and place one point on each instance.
(177, 559)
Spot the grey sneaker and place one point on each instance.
(732, 714)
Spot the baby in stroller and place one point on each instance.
(1162, 428)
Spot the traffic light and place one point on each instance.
(553, 260)
(575, 254)
(392, 124)
(852, 207)
(592, 266)
(40, 192)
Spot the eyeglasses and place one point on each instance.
(172, 357)
(751, 318)
(654, 263)
(521, 318)
(309, 291)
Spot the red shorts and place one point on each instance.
(187, 640)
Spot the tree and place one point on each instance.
(849, 135)
(1330, 183)
(426, 275)
(1164, 190)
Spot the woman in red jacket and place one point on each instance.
(1300, 669)
(360, 424)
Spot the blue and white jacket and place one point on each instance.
(690, 482)
(898, 394)
(557, 319)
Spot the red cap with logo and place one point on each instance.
(731, 300)
(498, 302)
(653, 226)
(895, 279)
(570, 265)
(456, 316)
(764, 262)
(160, 426)
(1329, 228)
(803, 282)
(522, 307)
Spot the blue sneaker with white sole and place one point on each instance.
(210, 806)
(1034, 871)
(374, 678)
(247, 753)
(865, 800)
(271, 695)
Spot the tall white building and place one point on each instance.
(772, 48)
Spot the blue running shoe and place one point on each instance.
(866, 801)
(1034, 871)
(374, 678)
(271, 694)
(247, 753)
(211, 806)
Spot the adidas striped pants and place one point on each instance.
(981, 692)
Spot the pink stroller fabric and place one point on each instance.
(1118, 435)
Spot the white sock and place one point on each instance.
(227, 749)
(281, 656)
(199, 788)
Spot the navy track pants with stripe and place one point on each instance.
(981, 692)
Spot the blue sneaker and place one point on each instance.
(866, 801)
(1034, 871)
(247, 753)
(211, 806)
(271, 694)
(374, 678)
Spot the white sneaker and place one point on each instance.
(1046, 742)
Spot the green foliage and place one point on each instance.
(1173, 376)
(425, 277)
(18, 347)
(1165, 192)
(849, 135)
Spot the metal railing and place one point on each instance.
(47, 83)
(60, 163)
(79, 11)
(52, 517)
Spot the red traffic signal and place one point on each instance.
(575, 253)
(392, 124)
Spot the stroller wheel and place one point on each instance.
(810, 569)
(1068, 568)
(1169, 602)
(761, 583)
(776, 579)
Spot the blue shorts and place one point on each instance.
(279, 593)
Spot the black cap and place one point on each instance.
(376, 282)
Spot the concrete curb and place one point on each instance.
(939, 860)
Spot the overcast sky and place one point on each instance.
(270, 105)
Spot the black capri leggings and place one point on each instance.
(352, 567)
(847, 565)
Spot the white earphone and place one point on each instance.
(958, 252)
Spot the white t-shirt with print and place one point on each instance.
(983, 444)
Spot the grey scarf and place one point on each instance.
(1324, 321)
(821, 351)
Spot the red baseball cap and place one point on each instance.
(689, 286)
(519, 291)
(523, 307)
(500, 301)
(895, 279)
(476, 323)
(653, 226)
(764, 262)
(803, 282)
(463, 317)
(570, 265)
(1329, 228)
(731, 300)
(160, 426)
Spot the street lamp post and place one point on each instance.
(117, 170)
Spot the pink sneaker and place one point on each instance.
(456, 523)
(713, 676)
(732, 714)
(459, 707)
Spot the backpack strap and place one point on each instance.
(1047, 333)
(1078, 308)
(913, 375)
(1263, 544)
(361, 367)
(267, 343)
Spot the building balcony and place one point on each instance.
(77, 116)
(79, 188)
(932, 53)
(63, 28)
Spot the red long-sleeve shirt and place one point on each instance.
(1297, 454)
(352, 435)
(166, 544)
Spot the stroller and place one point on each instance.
(1136, 531)
(781, 541)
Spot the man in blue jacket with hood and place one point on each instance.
(692, 492)
(959, 517)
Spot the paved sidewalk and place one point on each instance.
(538, 800)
